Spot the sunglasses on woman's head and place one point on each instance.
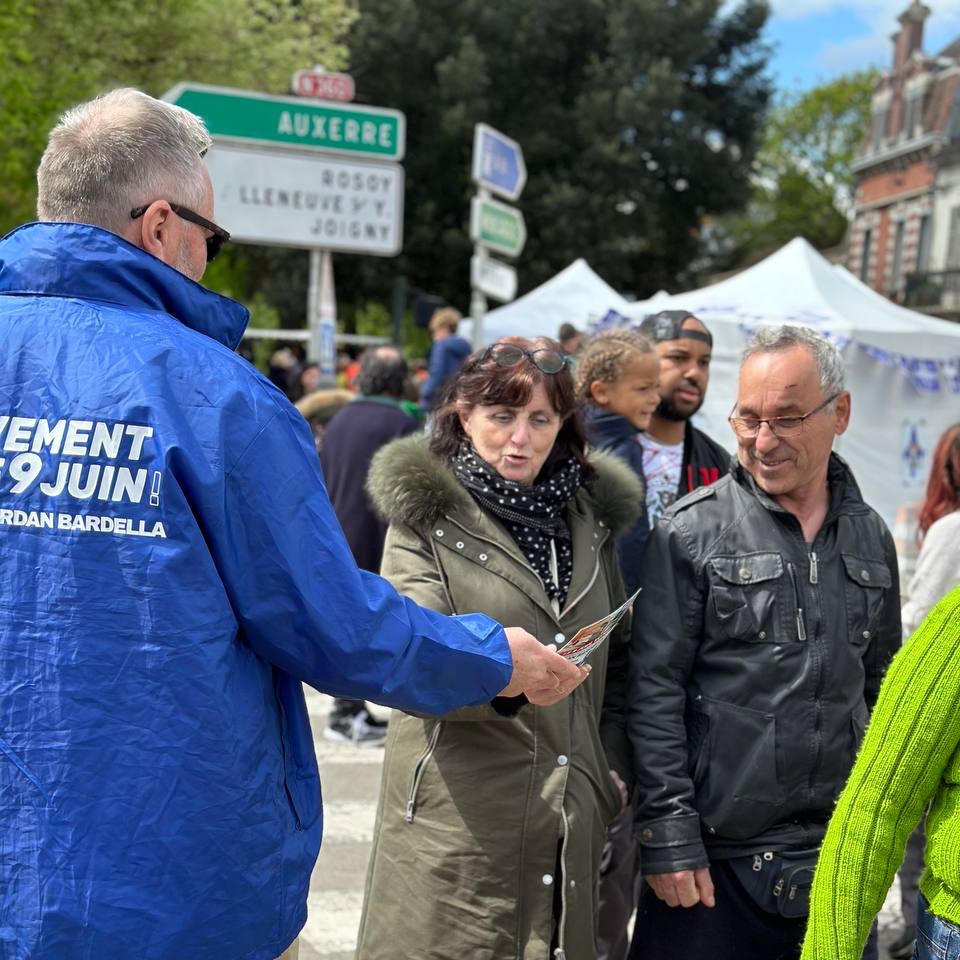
(510, 354)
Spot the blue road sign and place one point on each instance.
(498, 162)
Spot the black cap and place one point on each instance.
(668, 325)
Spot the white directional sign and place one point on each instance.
(298, 200)
(493, 279)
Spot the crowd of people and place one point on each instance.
(710, 779)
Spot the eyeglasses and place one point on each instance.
(509, 355)
(749, 427)
(214, 243)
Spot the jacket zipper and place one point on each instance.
(418, 772)
(593, 578)
(560, 953)
(814, 653)
(801, 625)
(555, 576)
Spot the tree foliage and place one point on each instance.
(818, 134)
(637, 118)
(803, 180)
(57, 53)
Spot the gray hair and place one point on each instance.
(117, 152)
(383, 372)
(827, 356)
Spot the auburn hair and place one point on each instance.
(481, 382)
(943, 486)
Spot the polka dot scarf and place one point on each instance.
(533, 515)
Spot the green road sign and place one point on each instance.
(249, 117)
(497, 226)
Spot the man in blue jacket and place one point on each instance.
(171, 571)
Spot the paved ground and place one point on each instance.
(351, 778)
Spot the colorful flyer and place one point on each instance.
(588, 638)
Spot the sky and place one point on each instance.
(817, 40)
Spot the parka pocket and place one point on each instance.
(416, 777)
(745, 592)
(865, 586)
(738, 789)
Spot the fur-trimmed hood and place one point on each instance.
(408, 484)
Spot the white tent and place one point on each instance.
(575, 295)
(903, 368)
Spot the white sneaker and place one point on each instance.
(362, 730)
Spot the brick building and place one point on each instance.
(905, 238)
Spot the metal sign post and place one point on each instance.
(497, 167)
(322, 313)
(478, 301)
(306, 173)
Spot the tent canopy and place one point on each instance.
(797, 285)
(902, 367)
(575, 295)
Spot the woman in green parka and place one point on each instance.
(491, 819)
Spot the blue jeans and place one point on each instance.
(937, 939)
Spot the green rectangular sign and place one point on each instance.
(246, 116)
(497, 226)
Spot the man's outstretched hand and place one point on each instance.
(539, 671)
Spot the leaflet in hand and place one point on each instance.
(587, 639)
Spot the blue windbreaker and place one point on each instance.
(170, 571)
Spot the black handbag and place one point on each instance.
(779, 882)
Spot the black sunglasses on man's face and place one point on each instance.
(214, 243)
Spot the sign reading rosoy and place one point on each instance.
(288, 199)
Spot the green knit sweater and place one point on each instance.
(910, 755)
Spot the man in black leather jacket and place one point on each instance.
(770, 610)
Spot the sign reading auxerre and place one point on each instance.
(249, 117)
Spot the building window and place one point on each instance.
(879, 129)
(953, 241)
(953, 131)
(923, 243)
(913, 104)
(865, 255)
(897, 271)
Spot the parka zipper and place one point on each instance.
(418, 772)
(814, 573)
(593, 578)
(560, 953)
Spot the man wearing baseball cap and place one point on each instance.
(672, 457)
(677, 457)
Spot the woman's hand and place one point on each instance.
(539, 671)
